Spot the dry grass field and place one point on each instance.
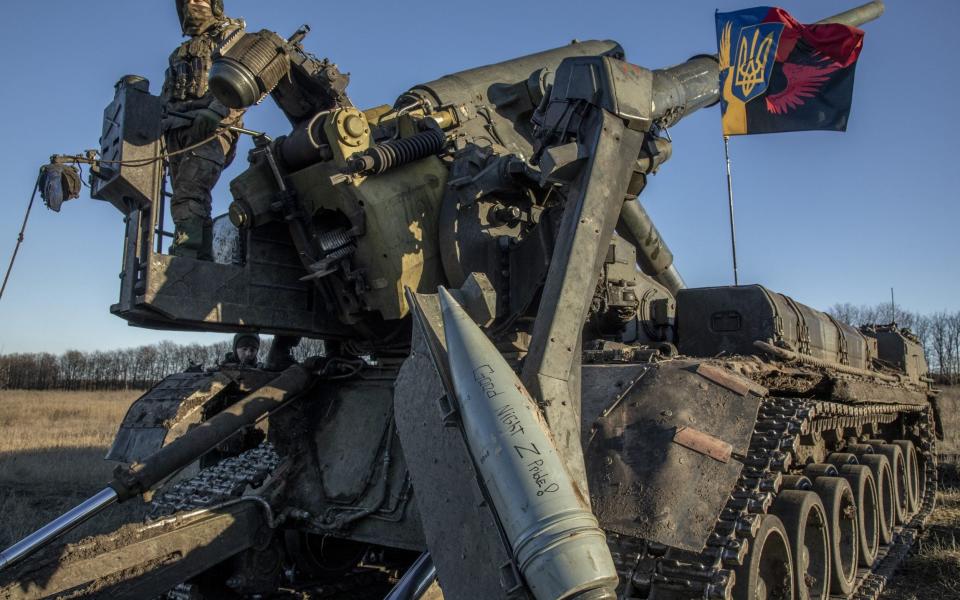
(933, 570)
(949, 403)
(52, 446)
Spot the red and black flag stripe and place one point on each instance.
(779, 75)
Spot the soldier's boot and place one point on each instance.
(188, 239)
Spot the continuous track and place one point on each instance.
(228, 480)
(783, 426)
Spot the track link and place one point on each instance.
(226, 480)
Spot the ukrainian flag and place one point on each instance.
(779, 75)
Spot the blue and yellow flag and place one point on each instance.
(779, 75)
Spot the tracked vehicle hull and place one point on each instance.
(791, 441)
(687, 458)
(704, 453)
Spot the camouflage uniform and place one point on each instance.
(195, 172)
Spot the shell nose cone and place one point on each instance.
(452, 311)
(467, 344)
(447, 302)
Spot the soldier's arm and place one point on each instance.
(166, 94)
(228, 116)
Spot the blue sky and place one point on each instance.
(822, 216)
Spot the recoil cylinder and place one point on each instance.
(394, 153)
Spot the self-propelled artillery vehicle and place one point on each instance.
(519, 398)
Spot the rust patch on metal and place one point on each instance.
(704, 443)
(731, 381)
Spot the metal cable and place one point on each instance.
(76, 159)
(23, 227)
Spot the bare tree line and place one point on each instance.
(143, 366)
(129, 368)
(938, 332)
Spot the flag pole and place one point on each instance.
(893, 308)
(733, 229)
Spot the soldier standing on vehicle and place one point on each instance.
(194, 115)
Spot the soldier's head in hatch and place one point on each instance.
(246, 347)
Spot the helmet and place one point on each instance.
(217, 6)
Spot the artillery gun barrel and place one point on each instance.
(685, 88)
(653, 255)
(856, 17)
(140, 477)
(465, 86)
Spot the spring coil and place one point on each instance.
(333, 240)
(394, 153)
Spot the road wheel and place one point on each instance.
(805, 521)
(859, 450)
(814, 470)
(913, 473)
(886, 499)
(767, 571)
(898, 469)
(841, 508)
(796, 482)
(842, 458)
(864, 489)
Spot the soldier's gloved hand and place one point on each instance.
(205, 122)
